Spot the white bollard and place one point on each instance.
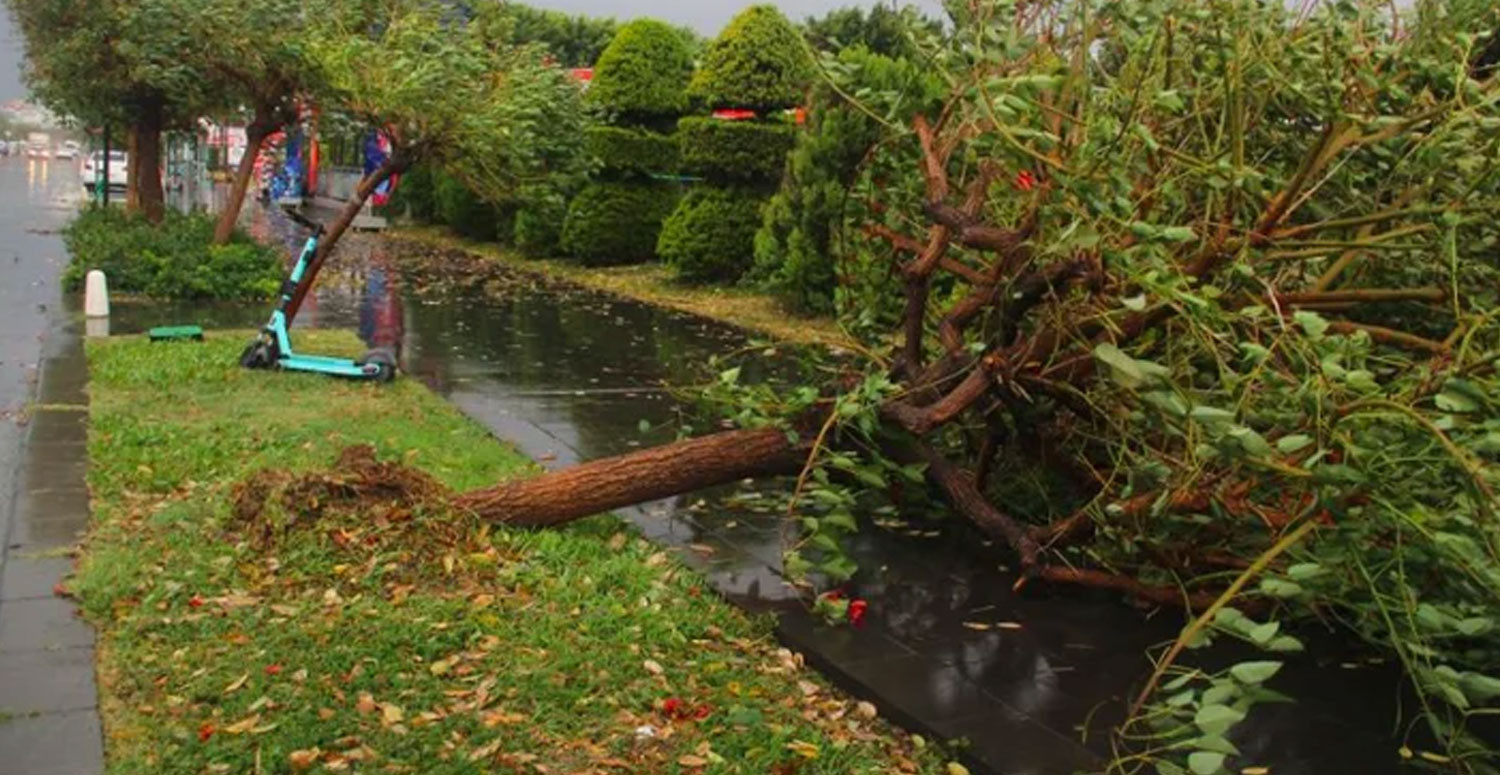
(95, 295)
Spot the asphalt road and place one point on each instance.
(37, 197)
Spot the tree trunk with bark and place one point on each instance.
(255, 137)
(334, 230)
(132, 172)
(146, 164)
(637, 477)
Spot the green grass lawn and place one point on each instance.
(402, 639)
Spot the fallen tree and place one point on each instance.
(1192, 301)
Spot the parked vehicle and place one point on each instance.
(117, 170)
(4, 148)
(68, 150)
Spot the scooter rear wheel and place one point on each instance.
(384, 361)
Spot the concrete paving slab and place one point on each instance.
(53, 744)
(67, 504)
(34, 682)
(30, 578)
(34, 625)
(54, 474)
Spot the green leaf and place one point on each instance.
(729, 376)
(644, 426)
(1216, 743)
(1178, 234)
(1459, 396)
(1280, 588)
(1284, 644)
(1263, 633)
(1134, 303)
(1313, 323)
(1122, 367)
(843, 520)
(1294, 442)
(1169, 99)
(1164, 767)
(1217, 719)
(1212, 415)
(1254, 672)
(1253, 443)
(1304, 570)
(1475, 625)
(1206, 762)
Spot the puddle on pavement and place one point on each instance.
(569, 375)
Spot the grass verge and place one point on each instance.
(405, 638)
(654, 284)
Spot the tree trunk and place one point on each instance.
(637, 477)
(146, 164)
(336, 229)
(132, 174)
(255, 136)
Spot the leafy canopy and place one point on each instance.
(453, 92)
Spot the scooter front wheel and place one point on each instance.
(258, 355)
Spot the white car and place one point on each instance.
(68, 150)
(117, 167)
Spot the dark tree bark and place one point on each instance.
(637, 477)
(255, 137)
(146, 163)
(334, 230)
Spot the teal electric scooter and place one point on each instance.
(272, 348)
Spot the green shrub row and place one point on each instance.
(750, 151)
(615, 222)
(710, 237)
(630, 151)
(171, 260)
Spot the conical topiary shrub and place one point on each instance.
(758, 63)
(640, 83)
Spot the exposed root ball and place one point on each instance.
(272, 502)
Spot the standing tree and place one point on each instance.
(451, 93)
(253, 51)
(110, 62)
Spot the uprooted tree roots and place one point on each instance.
(379, 516)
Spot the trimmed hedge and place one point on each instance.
(613, 222)
(466, 213)
(644, 72)
(735, 150)
(710, 237)
(758, 62)
(632, 151)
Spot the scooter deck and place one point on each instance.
(342, 367)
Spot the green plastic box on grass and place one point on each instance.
(176, 333)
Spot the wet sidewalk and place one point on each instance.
(49, 719)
